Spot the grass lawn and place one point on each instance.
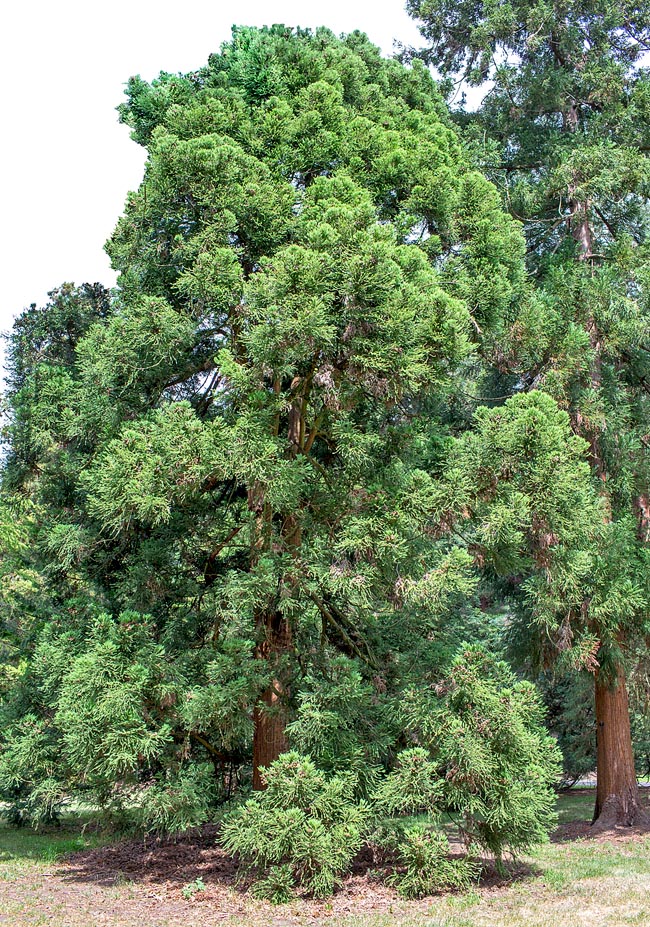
(569, 883)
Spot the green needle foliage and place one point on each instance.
(484, 759)
(563, 131)
(303, 828)
(252, 512)
(486, 731)
(427, 866)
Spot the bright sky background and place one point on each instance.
(67, 164)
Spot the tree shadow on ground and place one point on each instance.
(580, 803)
(180, 858)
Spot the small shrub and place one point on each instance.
(414, 786)
(302, 831)
(428, 869)
(497, 765)
(32, 792)
(480, 753)
(174, 802)
(277, 887)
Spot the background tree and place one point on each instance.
(563, 131)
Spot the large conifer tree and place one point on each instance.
(566, 123)
(237, 447)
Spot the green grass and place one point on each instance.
(576, 805)
(20, 846)
(566, 863)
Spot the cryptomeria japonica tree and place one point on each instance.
(563, 131)
(235, 457)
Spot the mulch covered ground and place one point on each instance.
(163, 866)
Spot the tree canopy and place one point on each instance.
(266, 507)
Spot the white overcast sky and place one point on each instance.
(67, 163)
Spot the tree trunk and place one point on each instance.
(581, 230)
(617, 791)
(617, 794)
(642, 512)
(270, 716)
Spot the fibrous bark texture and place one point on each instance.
(617, 791)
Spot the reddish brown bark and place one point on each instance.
(581, 231)
(642, 511)
(270, 716)
(617, 791)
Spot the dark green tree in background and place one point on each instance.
(563, 131)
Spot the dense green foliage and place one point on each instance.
(484, 759)
(253, 509)
(563, 132)
(303, 827)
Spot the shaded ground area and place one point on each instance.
(576, 880)
(575, 808)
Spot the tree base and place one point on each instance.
(616, 812)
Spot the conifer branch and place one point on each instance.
(327, 614)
